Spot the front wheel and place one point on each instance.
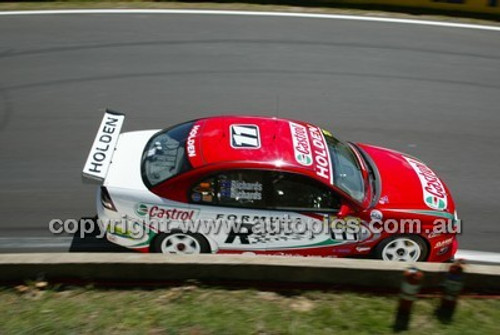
(180, 243)
(402, 248)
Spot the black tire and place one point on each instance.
(204, 246)
(422, 244)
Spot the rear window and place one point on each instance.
(165, 155)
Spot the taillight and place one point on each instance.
(106, 199)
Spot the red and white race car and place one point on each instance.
(265, 185)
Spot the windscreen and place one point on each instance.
(346, 170)
(165, 155)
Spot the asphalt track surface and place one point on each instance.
(433, 92)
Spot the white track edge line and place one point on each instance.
(478, 256)
(251, 13)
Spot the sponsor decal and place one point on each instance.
(345, 230)
(203, 192)
(376, 215)
(244, 136)
(301, 145)
(190, 142)
(383, 200)
(251, 230)
(433, 190)
(343, 250)
(442, 251)
(433, 235)
(196, 197)
(240, 190)
(252, 218)
(141, 209)
(104, 144)
(203, 187)
(444, 243)
(207, 198)
(164, 212)
(321, 154)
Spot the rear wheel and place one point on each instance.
(181, 243)
(402, 248)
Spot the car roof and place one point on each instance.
(271, 142)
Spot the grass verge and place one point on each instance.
(252, 5)
(201, 310)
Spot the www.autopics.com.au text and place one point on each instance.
(137, 229)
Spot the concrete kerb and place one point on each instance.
(149, 268)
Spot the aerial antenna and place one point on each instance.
(277, 105)
(277, 113)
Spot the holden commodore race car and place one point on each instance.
(286, 187)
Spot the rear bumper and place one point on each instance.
(120, 231)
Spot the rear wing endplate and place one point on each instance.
(101, 153)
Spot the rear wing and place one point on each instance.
(101, 153)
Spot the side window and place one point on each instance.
(243, 188)
(292, 191)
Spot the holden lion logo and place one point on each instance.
(301, 144)
(433, 190)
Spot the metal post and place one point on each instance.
(412, 279)
(452, 287)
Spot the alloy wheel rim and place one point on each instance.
(401, 250)
(180, 244)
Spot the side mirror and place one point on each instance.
(345, 210)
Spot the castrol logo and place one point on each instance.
(301, 145)
(163, 212)
(433, 189)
